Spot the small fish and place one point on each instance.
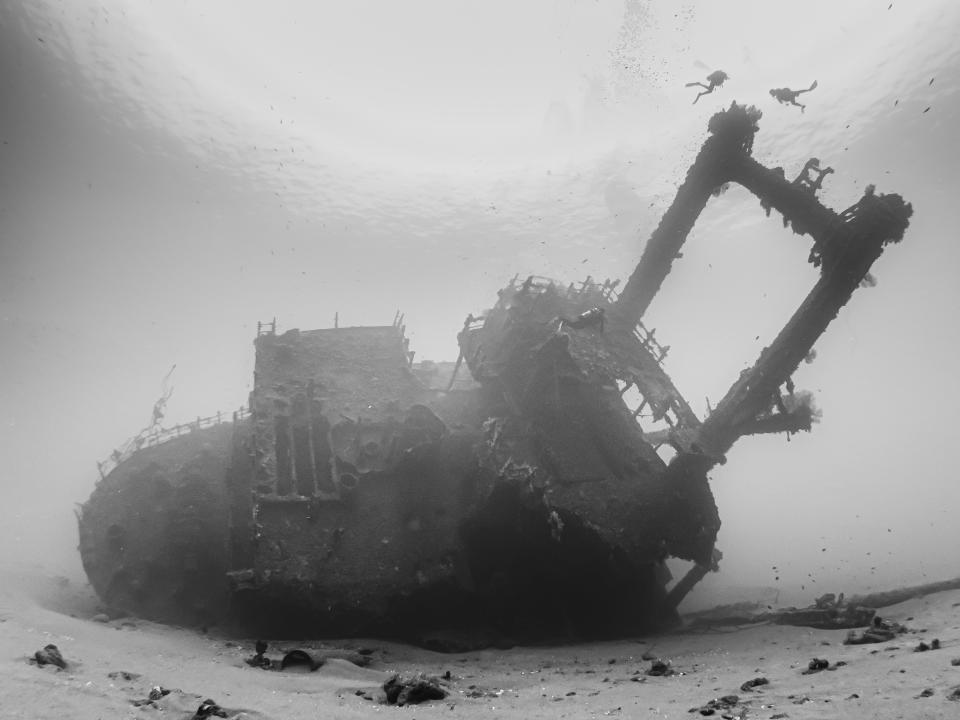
(926, 111)
(896, 102)
(931, 82)
(889, 6)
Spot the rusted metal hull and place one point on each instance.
(434, 514)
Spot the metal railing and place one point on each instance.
(536, 284)
(648, 339)
(267, 328)
(155, 435)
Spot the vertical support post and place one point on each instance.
(456, 369)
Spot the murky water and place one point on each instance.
(174, 173)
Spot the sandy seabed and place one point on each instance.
(112, 664)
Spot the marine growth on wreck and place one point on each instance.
(519, 493)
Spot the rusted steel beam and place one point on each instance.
(798, 205)
(730, 142)
(665, 243)
(789, 422)
(845, 257)
(845, 247)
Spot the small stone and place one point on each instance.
(816, 665)
(749, 685)
(412, 690)
(123, 675)
(50, 655)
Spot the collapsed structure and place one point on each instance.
(363, 495)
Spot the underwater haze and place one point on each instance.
(174, 172)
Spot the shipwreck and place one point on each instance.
(518, 492)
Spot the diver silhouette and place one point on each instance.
(786, 96)
(715, 80)
(594, 317)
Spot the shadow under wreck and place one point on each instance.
(368, 494)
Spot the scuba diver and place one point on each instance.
(786, 96)
(715, 80)
(590, 318)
